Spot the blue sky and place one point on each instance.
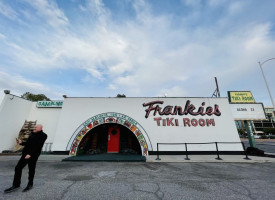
(99, 48)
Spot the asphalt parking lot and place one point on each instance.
(119, 180)
(267, 145)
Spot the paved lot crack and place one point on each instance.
(153, 167)
(67, 190)
(246, 190)
(159, 193)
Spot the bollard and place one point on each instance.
(186, 152)
(218, 158)
(246, 156)
(158, 152)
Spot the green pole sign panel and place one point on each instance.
(250, 135)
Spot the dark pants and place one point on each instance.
(19, 167)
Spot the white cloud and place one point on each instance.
(258, 38)
(112, 87)
(2, 36)
(173, 92)
(96, 7)
(8, 12)
(142, 9)
(148, 55)
(19, 85)
(120, 68)
(94, 72)
(18, 82)
(50, 11)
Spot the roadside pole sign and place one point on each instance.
(240, 97)
(244, 108)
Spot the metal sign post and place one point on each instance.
(250, 135)
(261, 64)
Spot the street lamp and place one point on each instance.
(261, 64)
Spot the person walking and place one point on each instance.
(31, 151)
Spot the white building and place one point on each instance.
(82, 125)
(269, 111)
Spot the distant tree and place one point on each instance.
(120, 95)
(35, 97)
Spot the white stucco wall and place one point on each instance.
(13, 113)
(61, 124)
(48, 117)
(76, 111)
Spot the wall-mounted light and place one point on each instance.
(7, 91)
(64, 96)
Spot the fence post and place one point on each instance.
(218, 158)
(186, 152)
(158, 152)
(246, 157)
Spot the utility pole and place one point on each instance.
(261, 64)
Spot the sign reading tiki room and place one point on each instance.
(154, 108)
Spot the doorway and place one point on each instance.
(109, 138)
(113, 139)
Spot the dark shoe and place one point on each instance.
(11, 189)
(27, 188)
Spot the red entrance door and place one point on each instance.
(113, 140)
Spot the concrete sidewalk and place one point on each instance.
(167, 158)
(42, 158)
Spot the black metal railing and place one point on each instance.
(47, 148)
(216, 144)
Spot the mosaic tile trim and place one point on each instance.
(104, 118)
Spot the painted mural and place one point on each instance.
(109, 118)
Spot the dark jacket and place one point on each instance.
(34, 144)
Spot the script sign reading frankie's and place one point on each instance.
(189, 109)
(49, 104)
